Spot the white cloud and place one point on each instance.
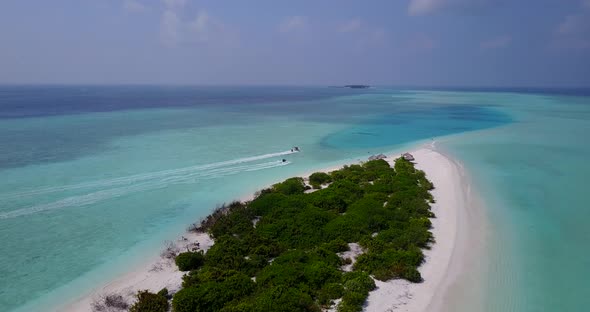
(178, 28)
(496, 43)
(200, 24)
(360, 35)
(134, 6)
(170, 28)
(172, 4)
(202, 29)
(573, 24)
(293, 23)
(205, 28)
(421, 7)
(424, 7)
(577, 24)
(573, 33)
(350, 26)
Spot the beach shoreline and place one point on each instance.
(450, 193)
(153, 275)
(445, 259)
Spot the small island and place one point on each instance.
(352, 86)
(357, 86)
(309, 244)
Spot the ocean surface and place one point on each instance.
(94, 179)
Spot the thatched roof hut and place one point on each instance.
(375, 157)
(408, 157)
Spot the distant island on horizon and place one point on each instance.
(353, 86)
(357, 86)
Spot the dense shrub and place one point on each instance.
(206, 274)
(266, 203)
(337, 245)
(149, 302)
(290, 186)
(289, 261)
(354, 299)
(345, 306)
(239, 307)
(329, 292)
(237, 222)
(358, 282)
(284, 299)
(317, 179)
(187, 300)
(187, 261)
(213, 295)
(392, 264)
(164, 293)
(356, 289)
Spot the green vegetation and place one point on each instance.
(187, 261)
(150, 302)
(289, 261)
(357, 285)
(318, 179)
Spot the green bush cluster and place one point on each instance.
(289, 261)
(337, 245)
(187, 261)
(210, 289)
(291, 186)
(150, 302)
(357, 286)
(318, 179)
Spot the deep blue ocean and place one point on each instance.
(95, 178)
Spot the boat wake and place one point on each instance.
(100, 190)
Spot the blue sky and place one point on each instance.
(389, 42)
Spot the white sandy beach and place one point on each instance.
(450, 195)
(153, 276)
(396, 295)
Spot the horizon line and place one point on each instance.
(425, 86)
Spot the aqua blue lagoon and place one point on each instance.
(95, 178)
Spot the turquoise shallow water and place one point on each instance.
(532, 175)
(89, 188)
